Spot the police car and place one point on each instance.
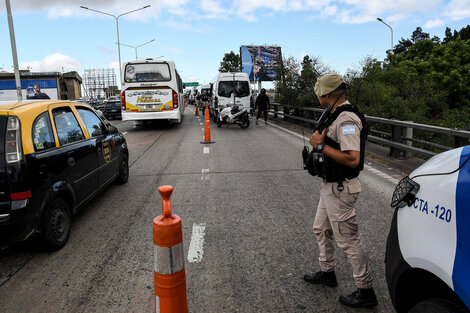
(428, 247)
(54, 157)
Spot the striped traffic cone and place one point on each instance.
(169, 275)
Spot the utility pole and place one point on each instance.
(13, 51)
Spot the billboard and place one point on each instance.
(8, 88)
(261, 62)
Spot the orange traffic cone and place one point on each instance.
(207, 127)
(169, 275)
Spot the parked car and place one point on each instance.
(54, 157)
(428, 252)
(112, 109)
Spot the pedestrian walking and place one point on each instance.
(262, 102)
(343, 145)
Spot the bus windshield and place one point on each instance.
(147, 72)
(226, 88)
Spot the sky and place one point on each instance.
(58, 35)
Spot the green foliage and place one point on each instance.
(230, 63)
(423, 79)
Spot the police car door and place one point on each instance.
(77, 154)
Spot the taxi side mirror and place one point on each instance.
(112, 129)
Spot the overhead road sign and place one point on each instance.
(191, 84)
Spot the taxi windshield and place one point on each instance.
(147, 72)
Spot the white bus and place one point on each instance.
(151, 90)
(231, 88)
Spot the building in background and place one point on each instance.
(100, 83)
(63, 86)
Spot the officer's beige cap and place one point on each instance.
(327, 83)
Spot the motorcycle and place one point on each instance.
(233, 115)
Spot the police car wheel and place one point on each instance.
(435, 306)
(123, 169)
(57, 223)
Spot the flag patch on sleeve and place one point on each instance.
(350, 129)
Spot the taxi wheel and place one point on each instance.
(57, 223)
(435, 306)
(123, 169)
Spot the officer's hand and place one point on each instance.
(317, 138)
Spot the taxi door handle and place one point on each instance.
(71, 161)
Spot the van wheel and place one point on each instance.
(57, 223)
(436, 306)
(123, 169)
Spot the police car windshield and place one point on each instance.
(226, 88)
(147, 72)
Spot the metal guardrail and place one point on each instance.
(396, 142)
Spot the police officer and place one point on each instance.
(343, 147)
(204, 100)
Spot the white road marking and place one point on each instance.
(381, 174)
(205, 174)
(196, 247)
(206, 150)
(200, 124)
(124, 133)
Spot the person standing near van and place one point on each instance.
(262, 102)
(204, 100)
(343, 145)
(252, 103)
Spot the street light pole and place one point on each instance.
(117, 29)
(391, 29)
(136, 57)
(13, 51)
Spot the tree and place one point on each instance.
(230, 63)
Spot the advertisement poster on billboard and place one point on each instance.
(261, 62)
(30, 89)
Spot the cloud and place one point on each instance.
(434, 23)
(107, 50)
(52, 63)
(183, 11)
(458, 9)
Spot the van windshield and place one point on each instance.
(226, 88)
(147, 72)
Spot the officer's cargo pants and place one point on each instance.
(336, 219)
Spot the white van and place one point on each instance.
(231, 88)
(151, 90)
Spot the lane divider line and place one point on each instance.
(205, 174)
(206, 150)
(196, 247)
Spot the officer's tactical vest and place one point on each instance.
(337, 172)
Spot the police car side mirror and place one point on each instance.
(405, 193)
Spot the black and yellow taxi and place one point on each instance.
(54, 157)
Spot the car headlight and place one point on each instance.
(405, 193)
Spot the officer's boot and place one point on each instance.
(322, 278)
(360, 298)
